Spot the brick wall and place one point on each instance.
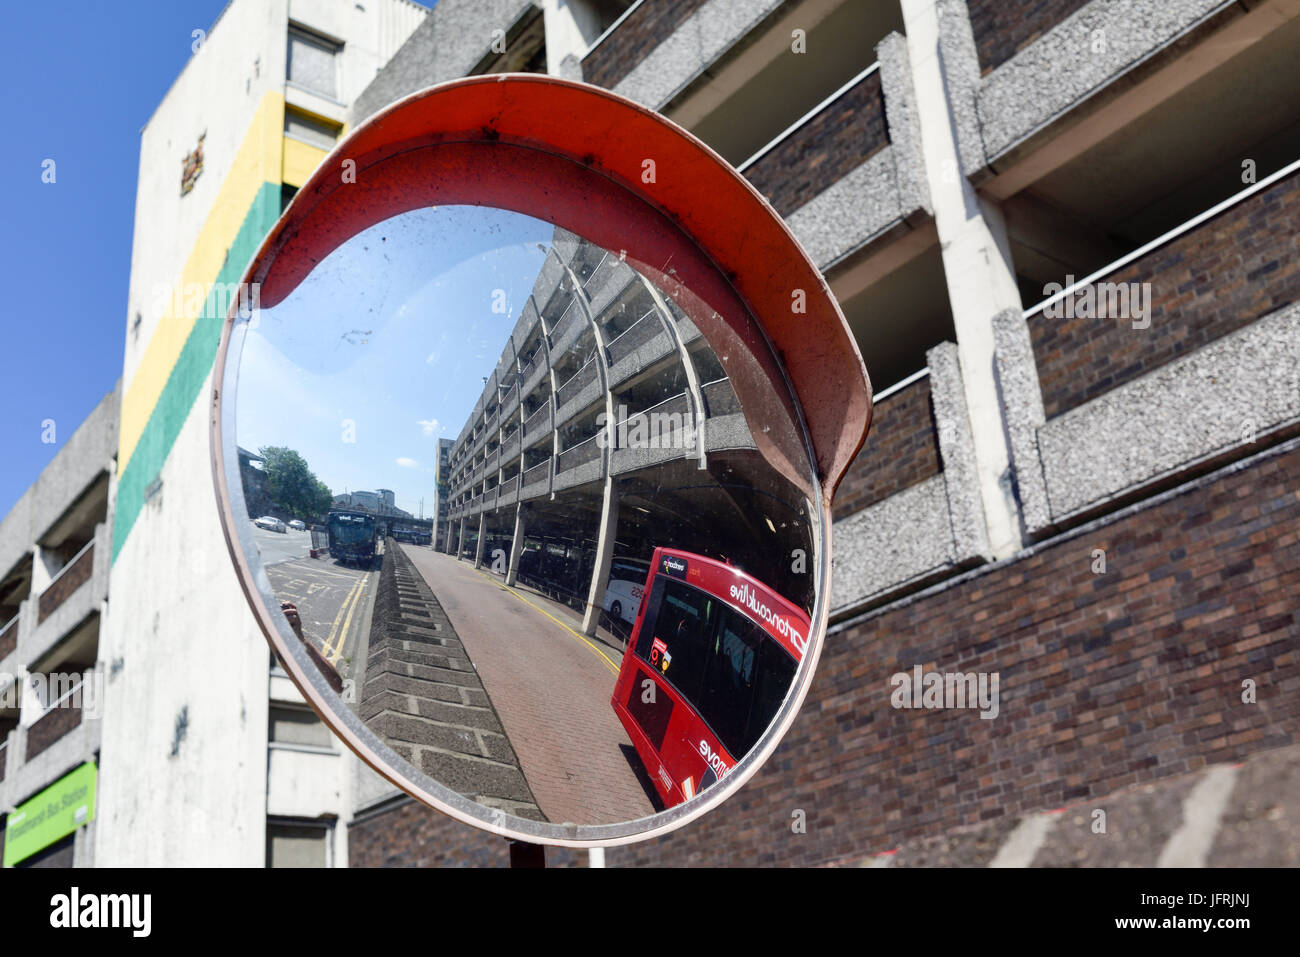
(50, 728)
(902, 450)
(1239, 266)
(69, 580)
(8, 637)
(412, 835)
(825, 149)
(644, 29)
(1106, 681)
(1003, 28)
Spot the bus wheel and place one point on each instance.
(616, 611)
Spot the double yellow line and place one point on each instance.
(582, 638)
(349, 606)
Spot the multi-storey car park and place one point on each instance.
(1100, 508)
(608, 427)
(55, 545)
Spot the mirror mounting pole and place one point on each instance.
(524, 854)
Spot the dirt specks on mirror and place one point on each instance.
(533, 508)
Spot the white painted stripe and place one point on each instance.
(596, 857)
(1022, 844)
(1203, 808)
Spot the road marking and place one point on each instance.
(347, 624)
(1203, 808)
(582, 638)
(1023, 843)
(329, 642)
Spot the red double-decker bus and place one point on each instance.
(711, 656)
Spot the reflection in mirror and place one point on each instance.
(509, 497)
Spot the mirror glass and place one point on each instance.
(541, 514)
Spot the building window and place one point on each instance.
(299, 843)
(309, 129)
(298, 726)
(313, 62)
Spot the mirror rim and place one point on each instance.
(652, 133)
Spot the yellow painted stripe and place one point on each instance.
(256, 162)
(300, 161)
(325, 648)
(347, 623)
(582, 638)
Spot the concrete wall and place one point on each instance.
(86, 454)
(1099, 42)
(451, 41)
(184, 760)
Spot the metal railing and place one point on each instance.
(634, 336)
(803, 120)
(538, 473)
(899, 386)
(1166, 238)
(74, 565)
(720, 397)
(576, 382)
(579, 454)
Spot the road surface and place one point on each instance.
(551, 688)
(335, 603)
(278, 547)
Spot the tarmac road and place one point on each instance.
(335, 603)
(278, 547)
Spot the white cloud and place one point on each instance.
(407, 463)
(431, 358)
(430, 426)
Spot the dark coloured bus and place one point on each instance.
(720, 649)
(352, 536)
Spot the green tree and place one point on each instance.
(293, 487)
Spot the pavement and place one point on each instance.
(335, 603)
(550, 687)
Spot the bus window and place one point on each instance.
(775, 674)
(729, 680)
(680, 636)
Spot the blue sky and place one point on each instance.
(85, 77)
(383, 348)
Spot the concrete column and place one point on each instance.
(45, 565)
(604, 554)
(692, 380)
(516, 545)
(565, 24)
(482, 536)
(977, 264)
(460, 538)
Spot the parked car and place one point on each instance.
(271, 522)
(298, 525)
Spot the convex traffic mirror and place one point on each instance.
(525, 457)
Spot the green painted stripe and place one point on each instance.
(190, 372)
